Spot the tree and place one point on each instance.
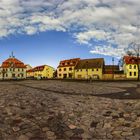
(134, 50)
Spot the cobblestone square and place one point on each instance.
(62, 110)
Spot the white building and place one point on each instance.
(12, 68)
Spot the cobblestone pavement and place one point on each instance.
(58, 110)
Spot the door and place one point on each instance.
(64, 76)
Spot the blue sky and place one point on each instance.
(47, 31)
(45, 48)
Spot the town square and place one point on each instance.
(63, 110)
(69, 69)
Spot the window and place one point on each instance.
(74, 62)
(130, 73)
(18, 69)
(59, 74)
(13, 69)
(135, 73)
(134, 66)
(86, 69)
(92, 69)
(6, 75)
(70, 69)
(64, 69)
(59, 69)
(81, 69)
(97, 69)
(130, 67)
(79, 76)
(22, 69)
(77, 70)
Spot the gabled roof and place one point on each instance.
(69, 62)
(131, 60)
(31, 70)
(90, 63)
(110, 67)
(41, 68)
(12, 63)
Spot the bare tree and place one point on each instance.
(134, 50)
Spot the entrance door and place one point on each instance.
(13, 75)
(70, 75)
(64, 76)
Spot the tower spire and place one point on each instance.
(12, 55)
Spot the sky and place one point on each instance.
(47, 31)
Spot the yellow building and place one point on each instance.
(30, 73)
(43, 72)
(28, 67)
(66, 68)
(89, 69)
(130, 67)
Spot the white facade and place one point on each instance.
(12, 73)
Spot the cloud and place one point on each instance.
(85, 37)
(108, 50)
(114, 24)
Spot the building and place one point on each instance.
(130, 66)
(43, 72)
(66, 68)
(30, 73)
(89, 69)
(28, 67)
(12, 68)
(110, 71)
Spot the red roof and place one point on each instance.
(31, 70)
(131, 60)
(69, 62)
(13, 63)
(39, 68)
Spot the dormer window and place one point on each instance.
(74, 62)
(133, 60)
(63, 64)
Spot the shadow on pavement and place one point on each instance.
(129, 93)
